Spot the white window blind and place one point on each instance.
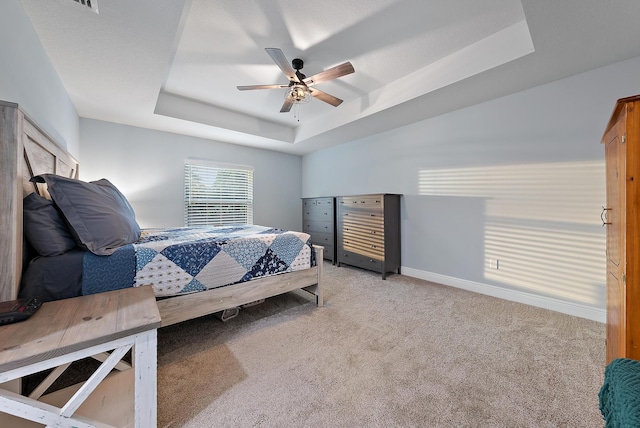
(217, 194)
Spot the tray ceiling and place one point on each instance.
(174, 65)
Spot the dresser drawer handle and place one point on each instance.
(373, 246)
(372, 215)
(373, 232)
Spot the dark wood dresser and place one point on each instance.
(318, 220)
(368, 232)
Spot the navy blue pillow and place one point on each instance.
(99, 216)
(45, 228)
(53, 278)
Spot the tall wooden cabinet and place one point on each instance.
(318, 220)
(368, 232)
(622, 218)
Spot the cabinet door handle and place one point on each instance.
(603, 216)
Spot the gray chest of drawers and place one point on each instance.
(318, 220)
(368, 232)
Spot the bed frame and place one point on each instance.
(25, 151)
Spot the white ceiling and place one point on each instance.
(174, 65)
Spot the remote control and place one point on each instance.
(18, 310)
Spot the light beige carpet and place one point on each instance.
(395, 353)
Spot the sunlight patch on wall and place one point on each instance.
(566, 192)
(568, 264)
(542, 227)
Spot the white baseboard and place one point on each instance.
(569, 308)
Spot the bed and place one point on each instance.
(28, 155)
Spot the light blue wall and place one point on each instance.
(148, 167)
(28, 78)
(519, 179)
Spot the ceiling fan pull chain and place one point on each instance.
(296, 111)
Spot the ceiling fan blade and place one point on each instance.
(331, 73)
(286, 107)
(282, 62)
(251, 87)
(323, 96)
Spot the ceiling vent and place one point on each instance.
(91, 4)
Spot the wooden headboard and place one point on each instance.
(25, 151)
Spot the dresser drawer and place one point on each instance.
(311, 226)
(318, 202)
(359, 260)
(364, 219)
(325, 202)
(366, 202)
(329, 249)
(322, 238)
(318, 212)
(369, 248)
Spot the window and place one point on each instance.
(217, 194)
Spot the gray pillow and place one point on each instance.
(100, 217)
(44, 227)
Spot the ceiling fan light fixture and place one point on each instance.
(298, 94)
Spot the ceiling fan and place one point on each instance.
(301, 86)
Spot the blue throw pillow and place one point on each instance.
(45, 228)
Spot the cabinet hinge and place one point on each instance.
(624, 278)
(624, 139)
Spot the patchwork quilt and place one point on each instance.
(190, 259)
